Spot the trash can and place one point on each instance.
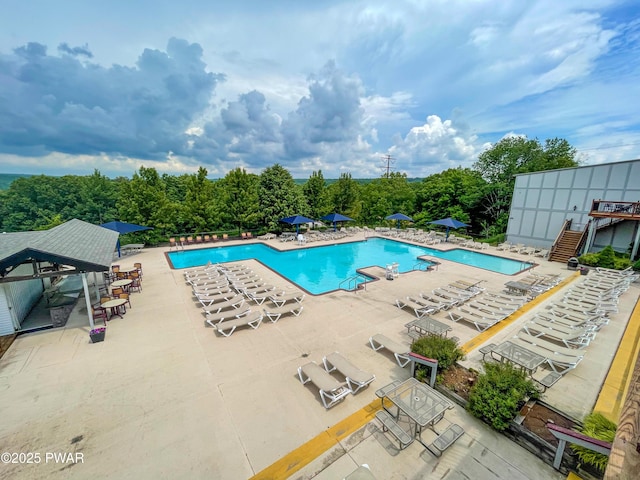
(584, 270)
(572, 263)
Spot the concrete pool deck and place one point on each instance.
(163, 396)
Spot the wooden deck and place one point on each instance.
(615, 209)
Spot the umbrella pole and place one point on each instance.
(118, 245)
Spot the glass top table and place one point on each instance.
(428, 326)
(424, 405)
(514, 353)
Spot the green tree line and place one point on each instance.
(241, 201)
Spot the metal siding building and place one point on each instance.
(542, 201)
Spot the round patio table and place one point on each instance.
(122, 283)
(115, 306)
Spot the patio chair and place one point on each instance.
(400, 352)
(207, 238)
(356, 378)
(252, 319)
(99, 312)
(283, 298)
(331, 391)
(125, 296)
(274, 314)
(136, 284)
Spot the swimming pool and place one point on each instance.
(321, 269)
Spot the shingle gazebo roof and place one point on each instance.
(78, 244)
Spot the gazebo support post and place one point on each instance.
(87, 297)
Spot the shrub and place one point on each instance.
(442, 349)
(590, 259)
(621, 263)
(607, 257)
(636, 266)
(595, 426)
(499, 393)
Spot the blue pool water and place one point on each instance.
(322, 269)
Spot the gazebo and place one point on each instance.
(73, 248)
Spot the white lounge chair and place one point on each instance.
(214, 319)
(356, 378)
(274, 314)
(208, 300)
(282, 298)
(411, 304)
(570, 337)
(480, 323)
(558, 362)
(399, 351)
(217, 307)
(331, 391)
(226, 328)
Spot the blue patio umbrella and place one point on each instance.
(449, 223)
(336, 217)
(124, 227)
(398, 217)
(296, 220)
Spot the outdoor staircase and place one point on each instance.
(566, 246)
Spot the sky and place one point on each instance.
(337, 86)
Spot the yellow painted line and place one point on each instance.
(615, 387)
(573, 476)
(306, 453)
(526, 308)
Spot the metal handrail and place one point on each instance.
(354, 279)
(427, 264)
(565, 226)
(583, 238)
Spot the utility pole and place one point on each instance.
(388, 161)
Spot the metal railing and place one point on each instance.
(565, 226)
(425, 265)
(354, 282)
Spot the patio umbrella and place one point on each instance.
(124, 227)
(398, 217)
(449, 223)
(336, 217)
(296, 220)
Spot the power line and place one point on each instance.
(606, 148)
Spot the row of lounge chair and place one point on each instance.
(523, 249)
(224, 292)
(563, 331)
(443, 298)
(330, 389)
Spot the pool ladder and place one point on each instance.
(352, 282)
(425, 265)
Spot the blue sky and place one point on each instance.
(330, 85)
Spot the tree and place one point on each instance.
(278, 197)
(143, 200)
(198, 208)
(239, 192)
(452, 193)
(314, 190)
(386, 195)
(511, 156)
(343, 196)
